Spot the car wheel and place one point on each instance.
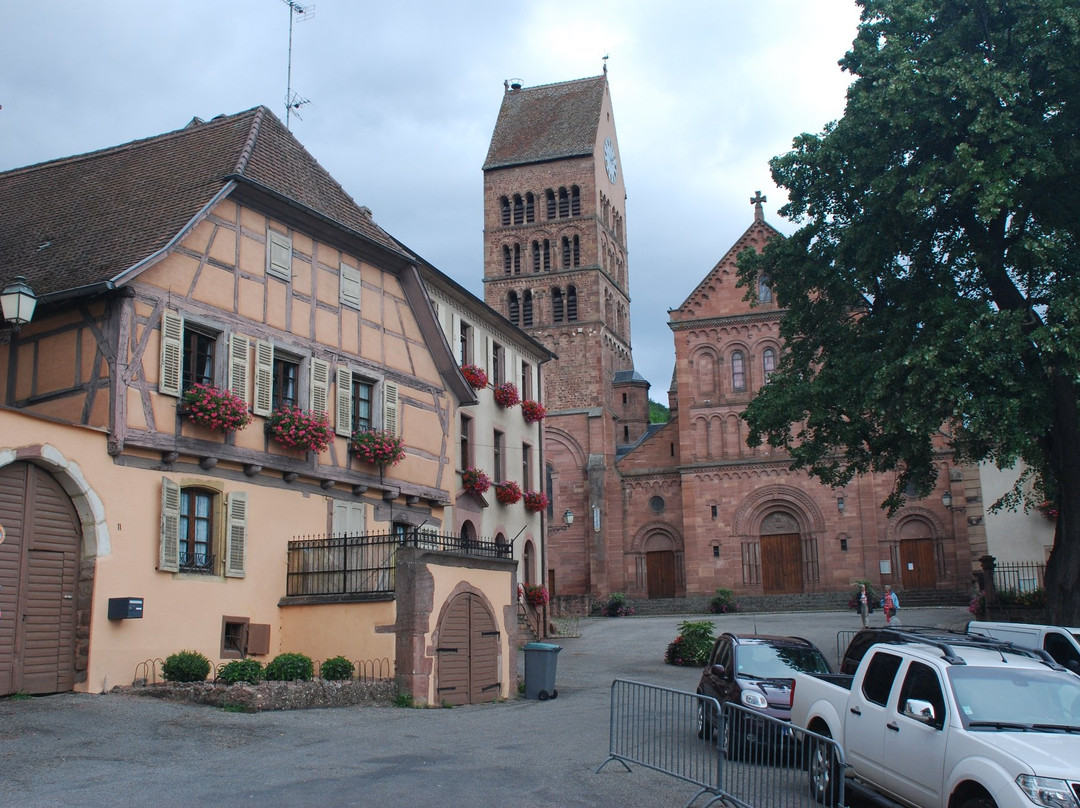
(979, 802)
(705, 727)
(824, 770)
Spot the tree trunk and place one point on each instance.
(1063, 566)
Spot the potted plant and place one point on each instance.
(475, 481)
(533, 411)
(475, 376)
(536, 595)
(215, 408)
(379, 448)
(535, 501)
(508, 492)
(299, 429)
(506, 395)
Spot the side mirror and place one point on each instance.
(718, 670)
(921, 711)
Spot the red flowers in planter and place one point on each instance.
(215, 408)
(508, 492)
(533, 411)
(299, 429)
(506, 394)
(475, 376)
(475, 481)
(536, 595)
(382, 449)
(535, 501)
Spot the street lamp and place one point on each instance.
(946, 500)
(18, 301)
(567, 517)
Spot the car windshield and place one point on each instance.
(760, 661)
(1016, 698)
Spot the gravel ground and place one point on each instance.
(119, 750)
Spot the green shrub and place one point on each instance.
(617, 605)
(693, 645)
(242, 670)
(723, 601)
(336, 669)
(185, 666)
(289, 668)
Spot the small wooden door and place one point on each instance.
(468, 653)
(917, 568)
(39, 576)
(660, 567)
(781, 564)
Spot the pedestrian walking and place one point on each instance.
(864, 605)
(890, 603)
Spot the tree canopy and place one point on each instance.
(932, 291)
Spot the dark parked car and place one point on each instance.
(756, 672)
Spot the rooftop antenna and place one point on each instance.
(293, 100)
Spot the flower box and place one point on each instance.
(536, 595)
(299, 429)
(506, 395)
(535, 501)
(508, 492)
(475, 481)
(533, 411)
(382, 449)
(475, 376)
(214, 408)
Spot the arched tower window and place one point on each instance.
(547, 255)
(738, 371)
(764, 289)
(557, 312)
(519, 209)
(577, 251)
(768, 363)
(575, 201)
(514, 308)
(508, 260)
(536, 256)
(517, 259)
(571, 303)
(527, 309)
(549, 197)
(530, 208)
(564, 204)
(566, 255)
(504, 204)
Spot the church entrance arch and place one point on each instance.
(781, 554)
(39, 572)
(661, 573)
(918, 568)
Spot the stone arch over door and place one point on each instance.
(918, 551)
(467, 651)
(658, 555)
(39, 573)
(778, 526)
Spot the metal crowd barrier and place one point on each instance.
(737, 756)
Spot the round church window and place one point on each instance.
(656, 504)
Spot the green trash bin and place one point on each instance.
(540, 662)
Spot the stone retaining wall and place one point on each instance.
(250, 698)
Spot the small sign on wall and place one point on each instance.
(885, 567)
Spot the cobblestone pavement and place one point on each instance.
(119, 750)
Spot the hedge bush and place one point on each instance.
(289, 668)
(185, 666)
(242, 670)
(336, 669)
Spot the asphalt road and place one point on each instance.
(119, 750)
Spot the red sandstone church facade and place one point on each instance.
(678, 509)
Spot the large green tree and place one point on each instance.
(932, 289)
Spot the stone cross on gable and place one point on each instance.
(756, 200)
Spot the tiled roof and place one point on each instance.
(550, 122)
(85, 220)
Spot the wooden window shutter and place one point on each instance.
(172, 353)
(320, 386)
(390, 408)
(235, 534)
(264, 377)
(258, 638)
(343, 420)
(487, 361)
(456, 344)
(350, 286)
(169, 549)
(279, 254)
(239, 351)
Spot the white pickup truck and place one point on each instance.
(947, 725)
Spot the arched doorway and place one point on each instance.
(39, 570)
(528, 571)
(468, 653)
(918, 566)
(661, 572)
(781, 554)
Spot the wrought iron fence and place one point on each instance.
(366, 564)
(1019, 576)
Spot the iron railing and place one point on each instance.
(1019, 576)
(365, 565)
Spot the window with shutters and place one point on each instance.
(465, 343)
(285, 385)
(508, 260)
(391, 414)
(465, 458)
(514, 308)
(498, 458)
(355, 402)
(549, 197)
(198, 364)
(527, 309)
(575, 201)
(525, 382)
(571, 304)
(557, 307)
(519, 209)
(498, 364)
(279, 255)
(530, 208)
(526, 466)
(198, 536)
(504, 209)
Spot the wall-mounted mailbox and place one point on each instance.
(125, 608)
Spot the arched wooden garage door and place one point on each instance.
(39, 562)
(468, 653)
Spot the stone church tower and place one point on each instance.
(555, 264)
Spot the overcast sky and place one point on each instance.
(404, 95)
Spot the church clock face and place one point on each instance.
(609, 160)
